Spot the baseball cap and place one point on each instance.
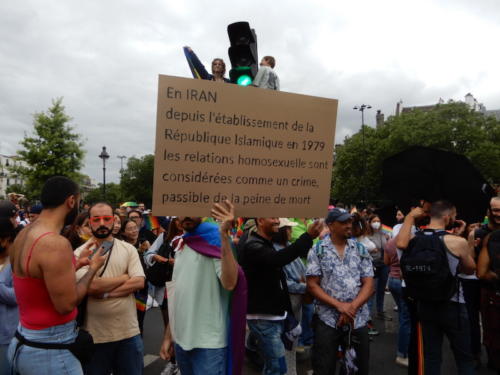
(284, 222)
(36, 209)
(337, 214)
(7, 209)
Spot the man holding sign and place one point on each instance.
(204, 275)
(268, 297)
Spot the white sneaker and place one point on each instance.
(402, 361)
(170, 369)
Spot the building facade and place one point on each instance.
(7, 178)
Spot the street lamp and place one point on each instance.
(362, 108)
(104, 156)
(121, 157)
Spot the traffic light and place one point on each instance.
(242, 53)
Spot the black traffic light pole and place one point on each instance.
(242, 53)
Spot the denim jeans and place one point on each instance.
(268, 334)
(404, 317)
(380, 281)
(4, 364)
(119, 357)
(307, 336)
(326, 343)
(448, 318)
(201, 361)
(472, 295)
(29, 360)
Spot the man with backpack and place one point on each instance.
(430, 263)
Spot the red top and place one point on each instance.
(36, 310)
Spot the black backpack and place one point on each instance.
(426, 270)
(159, 273)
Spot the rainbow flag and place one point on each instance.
(205, 240)
(386, 229)
(151, 222)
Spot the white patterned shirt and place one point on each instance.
(340, 278)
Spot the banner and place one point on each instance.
(268, 152)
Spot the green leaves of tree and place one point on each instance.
(52, 149)
(453, 127)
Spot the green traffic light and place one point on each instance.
(244, 80)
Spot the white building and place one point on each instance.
(7, 178)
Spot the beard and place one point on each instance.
(71, 216)
(102, 232)
(494, 220)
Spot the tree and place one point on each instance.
(114, 194)
(137, 179)
(452, 127)
(53, 149)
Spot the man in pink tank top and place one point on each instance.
(45, 284)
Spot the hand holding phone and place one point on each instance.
(105, 246)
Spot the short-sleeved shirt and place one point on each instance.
(340, 278)
(200, 302)
(114, 319)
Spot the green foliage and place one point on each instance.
(53, 149)
(452, 127)
(16, 188)
(114, 194)
(137, 180)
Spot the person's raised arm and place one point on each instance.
(59, 276)
(464, 251)
(404, 236)
(224, 213)
(197, 64)
(272, 258)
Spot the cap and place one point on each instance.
(36, 209)
(284, 222)
(7, 209)
(337, 214)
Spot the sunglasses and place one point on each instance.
(97, 219)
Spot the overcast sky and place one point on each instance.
(104, 58)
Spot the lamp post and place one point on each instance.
(121, 157)
(362, 108)
(104, 156)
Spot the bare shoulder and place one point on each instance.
(456, 244)
(54, 249)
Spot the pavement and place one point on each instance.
(382, 348)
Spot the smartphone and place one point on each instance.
(106, 246)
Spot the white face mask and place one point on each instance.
(376, 225)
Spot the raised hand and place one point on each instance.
(224, 214)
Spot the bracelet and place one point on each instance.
(105, 295)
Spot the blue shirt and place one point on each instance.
(340, 278)
(9, 317)
(295, 274)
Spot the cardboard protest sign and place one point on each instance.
(268, 152)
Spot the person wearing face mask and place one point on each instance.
(47, 292)
(110, 314)
(380, 239)
(9, 316)
(79, 232)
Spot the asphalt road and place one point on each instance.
(382, 349)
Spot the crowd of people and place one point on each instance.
(227, 286)
(75, 281)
